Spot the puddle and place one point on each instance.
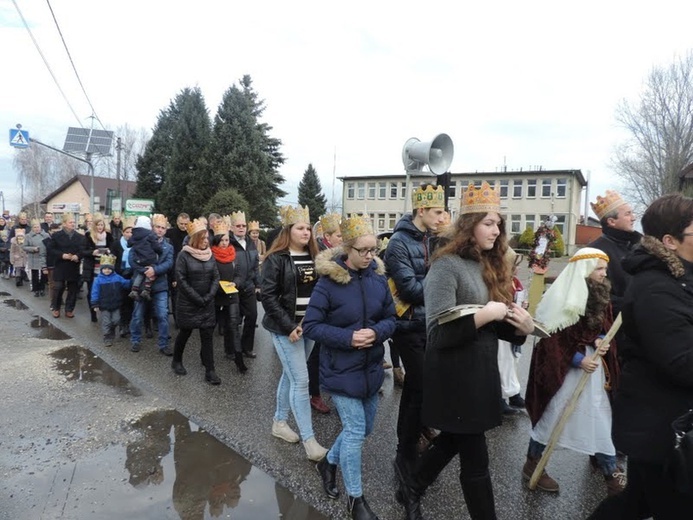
(15, 304)
(201, 476)
(79, 363)
(4, 293)
(47, 330)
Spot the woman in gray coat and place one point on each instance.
(36, 257)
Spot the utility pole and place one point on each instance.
(119, 147)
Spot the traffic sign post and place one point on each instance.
(19, 138)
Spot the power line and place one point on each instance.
(26, 25)
(74, 68)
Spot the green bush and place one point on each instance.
(526, 239)
(558, 247)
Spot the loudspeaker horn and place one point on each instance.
(436, 154)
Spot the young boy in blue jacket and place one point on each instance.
(107, 296)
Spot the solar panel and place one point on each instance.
(85, 140)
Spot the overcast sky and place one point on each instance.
(516, 83)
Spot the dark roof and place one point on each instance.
(101, 187)
(477, 174)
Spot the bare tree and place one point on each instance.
(40, 171)
(660, 124)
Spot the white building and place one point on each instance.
(527, 197)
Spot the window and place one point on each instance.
(560, 223)
(561, 188)
(403, 190)
(477, 184)
(452, 191)
(371, 190)
(530, 222)
(382, 190)
(515, 221)
(381, 223)
(517, 189)
(393, 190)
(531, 188)
(391, 221)
(546, 188)
(361, 190)
(504, 189)
(350, 190)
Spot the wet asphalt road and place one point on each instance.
(236, 414)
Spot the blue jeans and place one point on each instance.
(606, 463)
(292, 391)
(160, 306)
(357, 416)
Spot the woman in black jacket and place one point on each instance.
(657, 362)
(227, 303)
(197, 281)
(288, 278)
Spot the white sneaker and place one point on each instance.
(283, 431)
(314, 451)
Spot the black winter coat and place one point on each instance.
(89, 260)
(617, 244)
(66, 270)
(407, 258)
(226, 273)
(657, 372)
(247, 264)
(279, 293)
(198, 282)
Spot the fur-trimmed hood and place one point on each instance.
(652, 254)
(330, 263)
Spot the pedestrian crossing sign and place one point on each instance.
(19, 138)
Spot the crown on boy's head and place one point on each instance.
(431, 197)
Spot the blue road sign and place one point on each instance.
(19, 138)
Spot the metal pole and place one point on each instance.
(91, 183)
(118, 148)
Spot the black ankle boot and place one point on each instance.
(240, 364)
(178, 368)
(212, 378)
(359, 510)
(328, 473)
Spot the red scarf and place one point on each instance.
(224, 255)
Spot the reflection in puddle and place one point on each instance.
(206, 477)
(47, 329)
(15, 304)
(4, 293)
(78, 363)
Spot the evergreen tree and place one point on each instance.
(310, 194)
(225, 202)
(187, 184)
(243, 155)
(151, 165)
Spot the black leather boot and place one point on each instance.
(212, 378)
(178, 368)
(240, 364)
(359, 510)
(328, 473)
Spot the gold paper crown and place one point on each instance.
(221, 227)
(106, 260)
(129, 222)
(159, 220)
(431, 197)
(35, 221)
(355, 227)
(480, 200)
(19, 232)
(606, 204)
(237, 216)
(254, 225)
(116, 214)
(195, 226)
(291, 215)
(330, 222)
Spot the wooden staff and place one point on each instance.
(570, 408)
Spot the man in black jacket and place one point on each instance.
(618, 239)
(68, 247)
(247, 279)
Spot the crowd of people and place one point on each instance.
(445, 298)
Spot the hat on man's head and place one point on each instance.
(35, 221)
(355, 227)
(480, 200)
(159, 220)
(144, 222)
(431, 197)
(606, 204)
(107, 261)
(293, 215)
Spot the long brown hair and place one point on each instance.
(283, 240)
(496, 270)
(195, 241)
